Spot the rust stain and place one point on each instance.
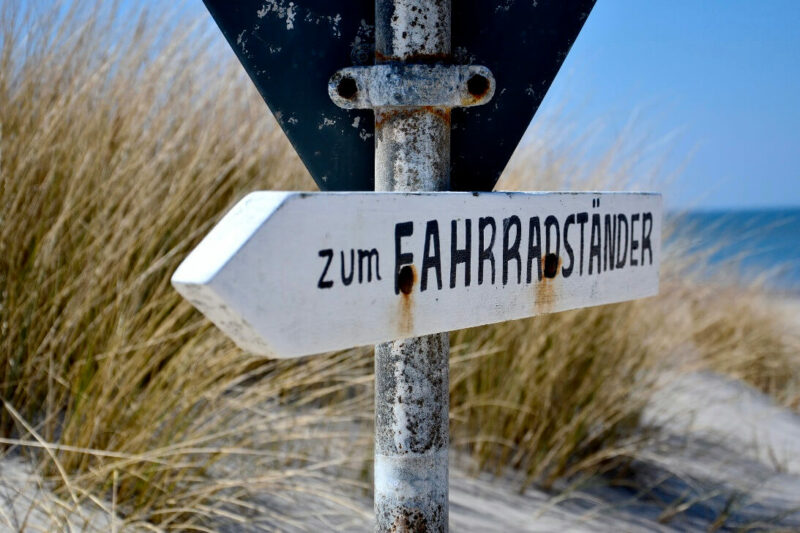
(441, 112)
(478, 87)
(482, 93)
(545, 291)
(405, 323)
(389, 114)
(470, 100)
(409, 521)
(347, 87)
(380, 57)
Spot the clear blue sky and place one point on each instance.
(719, 78)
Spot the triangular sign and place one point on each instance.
(290, 49)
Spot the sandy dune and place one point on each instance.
(725, 453)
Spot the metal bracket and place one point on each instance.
(398, 85)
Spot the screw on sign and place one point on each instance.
(399, 97)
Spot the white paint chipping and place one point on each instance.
(335, 21)
(504, 6)
(290, 14)
(326, 123)
(280, 9)
(364, 34)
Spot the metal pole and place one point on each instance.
(412, 153)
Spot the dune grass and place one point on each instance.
(123, 138)
(120, 148)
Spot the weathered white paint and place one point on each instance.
(257, 274)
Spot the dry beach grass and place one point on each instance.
(123, 138)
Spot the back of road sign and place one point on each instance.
(291, 48)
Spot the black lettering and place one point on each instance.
(608, 242)
(567, 271)
(403, 229)
(431, 260)
(511, 252)
(595, 249)
(646, 244)
(534, 250)
(325, 283)
(368, 255)
(634, 242)
(583, 218)
(622, 238)
(463, 255)
(552, 222)
(485, 252)
(345, 279)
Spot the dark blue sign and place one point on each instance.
(290, 48)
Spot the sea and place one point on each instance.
(757, 244)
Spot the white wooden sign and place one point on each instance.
(292, 274)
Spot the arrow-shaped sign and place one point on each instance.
(291, 274)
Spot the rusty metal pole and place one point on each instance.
(412, 153)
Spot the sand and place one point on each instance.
(724, 453)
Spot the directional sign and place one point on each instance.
(290, 48)
(291, 274)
